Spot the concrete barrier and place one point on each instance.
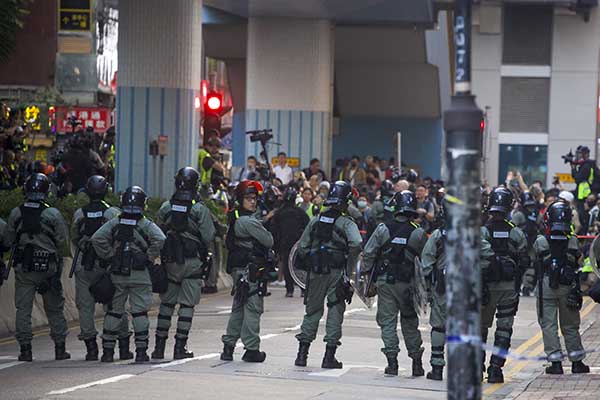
(38, 316)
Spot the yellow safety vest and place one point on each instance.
(205, 174)
(584, 188)
(587, 265)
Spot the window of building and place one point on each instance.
(530, 160)
(527, 35)
(525, 104)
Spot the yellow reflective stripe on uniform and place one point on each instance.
(236, 213)
(205, 174)
(587, 265)
(414, 224)
(509, 223)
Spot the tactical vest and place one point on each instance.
(439, 274)
(327, 252)
(178, 247)
(531, 228)
(396, 252)
(503, 267)
(93, 219)
(557, 265)
(31, 257)
(238, 256)
(127, 258)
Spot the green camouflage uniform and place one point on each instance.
(184, 280)
(53, 239)
(137, 287)
(555, 304)
(434, 262)
(244, 321)
(345, 240)
(86, 305)
(396, 297)
(503, 295)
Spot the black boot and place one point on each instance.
(180, 351)
(436, 374)
(108, 355)
(140, 355)
(60, 353)
(227, 354)
(392, 367)
(254, 356)
(302, 356)
(578, 367)
(26, 354)
(494, 373)
(417, 367)
(329, 360)
(92, 350)
(124, 352)
(555, 369)
(159, 348)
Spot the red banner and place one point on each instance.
(96, 117)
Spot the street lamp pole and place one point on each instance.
(463, 151)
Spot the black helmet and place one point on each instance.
(501, 200)
(339, 194)
(558, 217)
(290, 195)
(133, 200)
(96, 187)
(583, 149)
(387, 188)
(406, 203)
(187, 179)
(527, 199)
(36, 187)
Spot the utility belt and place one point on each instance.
(558, 275)
(177, 248)
(89, 259)
(127, 260)
(323, 260)
(396, 272)
(502, 269)
(34, 259)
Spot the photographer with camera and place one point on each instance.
(585, 172)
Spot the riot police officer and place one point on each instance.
(251, 264)
(39, 233)
(4, 247)
(86, 221)
(434, 265)
(382, 208)
(132, 243)
(501, 282)
(392, 250)
(189, 228)
(557, 253)
(528, 218)
(329, 245)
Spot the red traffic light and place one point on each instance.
(482, 126)
(214, 102)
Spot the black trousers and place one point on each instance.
(289, 282)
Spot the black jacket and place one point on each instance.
(287, 226)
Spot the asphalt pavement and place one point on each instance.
(205, 376)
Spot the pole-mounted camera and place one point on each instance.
(263, 136)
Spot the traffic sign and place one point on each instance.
(75, 15)
(565, 178)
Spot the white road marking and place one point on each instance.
(336, 373)
(95, 383)
(224, 312)
(10, 364)
(8, 358)
(354, 310)
(293, 328)
(187, 360)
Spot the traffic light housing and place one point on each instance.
(213, 108)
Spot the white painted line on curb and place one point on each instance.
(10, 364)
(95, 383)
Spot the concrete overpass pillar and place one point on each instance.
(290, 86)
(160, 48)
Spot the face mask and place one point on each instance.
(362, 204)
(354, 164)
(591, 203)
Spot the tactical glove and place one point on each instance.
(575, 300)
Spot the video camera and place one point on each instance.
(569, 158)
(261, 135)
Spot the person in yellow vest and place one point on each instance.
(208, 160)
(582, 170)
(307, 204)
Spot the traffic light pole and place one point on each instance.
(463, 157)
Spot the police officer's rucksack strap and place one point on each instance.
(401, 231)
(137, 235)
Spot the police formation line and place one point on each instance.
(123, 256)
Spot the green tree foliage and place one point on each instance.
(12, 13)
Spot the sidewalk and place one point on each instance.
(569, 386)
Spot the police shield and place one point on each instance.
(363, 284)
(298, 275)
